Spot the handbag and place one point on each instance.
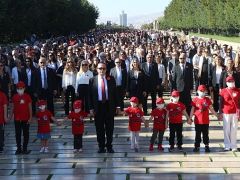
(237, 109)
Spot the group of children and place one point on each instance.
(163, 116)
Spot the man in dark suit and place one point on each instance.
(46, 83)
(150, 70)
(120, 76)
(183, 81)
(103, 103)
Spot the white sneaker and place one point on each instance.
(46, 150)
(80, 150)
(234, 150)
(226, 149)
(75, 151)
(42, 150)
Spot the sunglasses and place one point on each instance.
(102, 68)
(118, 62)
(84, 64)
(27, 61)
(41, 62)
(70, 62)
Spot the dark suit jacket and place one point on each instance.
(224, 75)
(151, 78)
(113, 73)
(183, 80)
(34, 80)
(51, 80)
(112, 98)
(136, 85)
(212, 76)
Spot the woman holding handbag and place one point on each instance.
(229, 107)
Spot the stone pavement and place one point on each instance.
(125, 164)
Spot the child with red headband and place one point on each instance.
(135, 119)
(77, 116)
(159, 118)
(44, 117)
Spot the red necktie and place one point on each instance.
(103, 91)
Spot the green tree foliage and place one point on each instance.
(206, 16)
(19, 19)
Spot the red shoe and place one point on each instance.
(160, 148)
(151, 147)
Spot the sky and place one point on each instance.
(112, 8)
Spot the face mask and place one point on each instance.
(160, 106)
(230, 84)
(201, 94)
(20, 91)
(133, 104)
(174, 99)
(42, 108)
(77, 110)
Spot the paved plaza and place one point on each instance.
(124, 164)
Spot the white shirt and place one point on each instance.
(68, 79)
(83, 78)
(100, 88)
(119, 76)
(43, 70)
(196, 59)
(29, 74)
(218, 74)
(161, 72)
(127, 62)
(15, 75)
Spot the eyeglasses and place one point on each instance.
(118, 62)
(181, 58)
(102, 68)
(84, 64)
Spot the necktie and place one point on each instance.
(182, 69)
(103, 91)
(150, 68)
(44, 78)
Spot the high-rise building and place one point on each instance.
(123, 19)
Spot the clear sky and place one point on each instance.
(112, 8)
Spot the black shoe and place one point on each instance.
(18, 151)
(25, 151)
(110, 150)
(171, 149)
(1, 150)
(180, 148)
(196, 149)
(101, 150)
(136, 149)
(207, 149)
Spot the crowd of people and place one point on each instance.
(92, 74)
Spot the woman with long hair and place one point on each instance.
(82, 83)
(68, 84)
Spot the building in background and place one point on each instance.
(123, 19)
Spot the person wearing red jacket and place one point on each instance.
(176, 110)
(159, 118)
(229, 106)
(22, 115)
(200, 109)
(135, 119)
(44, 117)
(3, 118)
(77, 116)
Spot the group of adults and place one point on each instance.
(104, 68)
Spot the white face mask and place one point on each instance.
(160, 106)
(174, 99)
(231, 84)
(201, 94)
(133, 104)
(20, 91)
(42, 107)
(77, 110)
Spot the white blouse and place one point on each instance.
(218, 74)
(68, 79)
(83, 78)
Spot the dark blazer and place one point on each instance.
(212, 76)
(135, 85)
(113, 73)
(183, 80)
(224, 75)
(51, 80)
(4, 83)
(112, 98)
(33, 86)
(151, 78)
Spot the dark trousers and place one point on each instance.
(83, 95)
(196, 78)
(1, 136)
(185, 98)
(34, 99)
(120, 94)
(104, 122)
(21, 127)
(154, 136)
(175, 129)
(47, 95)
(160, 90)
(77, 143)
(201, 129)
(153, 97)
(216, 98)
(70, 91)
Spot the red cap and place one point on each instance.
(202, 88)
(134, 100)
(160, 101)
(20, 84)
(230, 79)
(41, 102)
(175, 93)
(77, 104)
